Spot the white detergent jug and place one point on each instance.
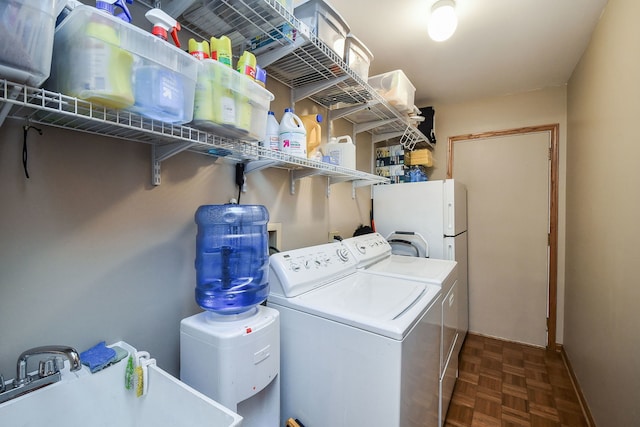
(292, 135)
(341, 150)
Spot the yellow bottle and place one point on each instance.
(222, 49)
(203, 97)
(224, 104)
(106, 79)
(311, 123)
(199, 49)
(246, 67)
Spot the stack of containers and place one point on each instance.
(27, 29)
(325, 22)
(103, 59)
(229, 102)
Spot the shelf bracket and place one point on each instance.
(345, 111)
(160, 153)
(363, 127)
(385, 136)
(258, 165)
(303, 92)
(295, 175)
(357, 184)
(328, 186)
(13, 94)
(267, 58)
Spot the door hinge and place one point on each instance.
(549, 153)
(548, 239)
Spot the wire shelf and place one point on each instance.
(54, 109)
(305, 60)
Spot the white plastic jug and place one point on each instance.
(272, 137)
(342, 151)
(292, 135)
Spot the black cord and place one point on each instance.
(25, 154)
(239, 178)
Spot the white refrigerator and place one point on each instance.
(437, 210)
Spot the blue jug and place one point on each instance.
(232, 257)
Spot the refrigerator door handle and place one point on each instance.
(450, 252)
(450, 219)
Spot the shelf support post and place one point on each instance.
(159, 153)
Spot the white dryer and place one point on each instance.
(374, 256)
(356, 349)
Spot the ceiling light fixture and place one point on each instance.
(443, 21)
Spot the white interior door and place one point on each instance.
(508, 183)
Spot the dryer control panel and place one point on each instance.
(294, 272)
(368, 248)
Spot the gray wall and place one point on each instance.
(603, 207)
(90, 250)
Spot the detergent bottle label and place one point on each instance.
(249, 71)
(228, 110)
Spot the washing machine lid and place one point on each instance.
(429, 270)
(384, 305)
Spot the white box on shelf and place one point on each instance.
(357, 56)
(395, 87)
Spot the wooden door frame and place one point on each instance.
(552, 129)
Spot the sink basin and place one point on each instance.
(101, 399)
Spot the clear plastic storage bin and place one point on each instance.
(357, 56)
(229, 103)
(27, 28)
(102, 59)
(396, 88)
(325, 22)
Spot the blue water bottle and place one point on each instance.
(232, 257)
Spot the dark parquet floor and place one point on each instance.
(507, 384)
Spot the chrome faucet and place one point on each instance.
(48, 371)
(57, 350)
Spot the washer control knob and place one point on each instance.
(343, 254)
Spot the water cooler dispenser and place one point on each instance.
(231, 351)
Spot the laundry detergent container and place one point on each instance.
(232, 257)
(27, 28)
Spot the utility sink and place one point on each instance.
(101, 399)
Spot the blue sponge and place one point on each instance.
(98, 356)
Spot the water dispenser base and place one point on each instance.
(235, 361)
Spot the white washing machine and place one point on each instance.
(356, 349)
(374, 256)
